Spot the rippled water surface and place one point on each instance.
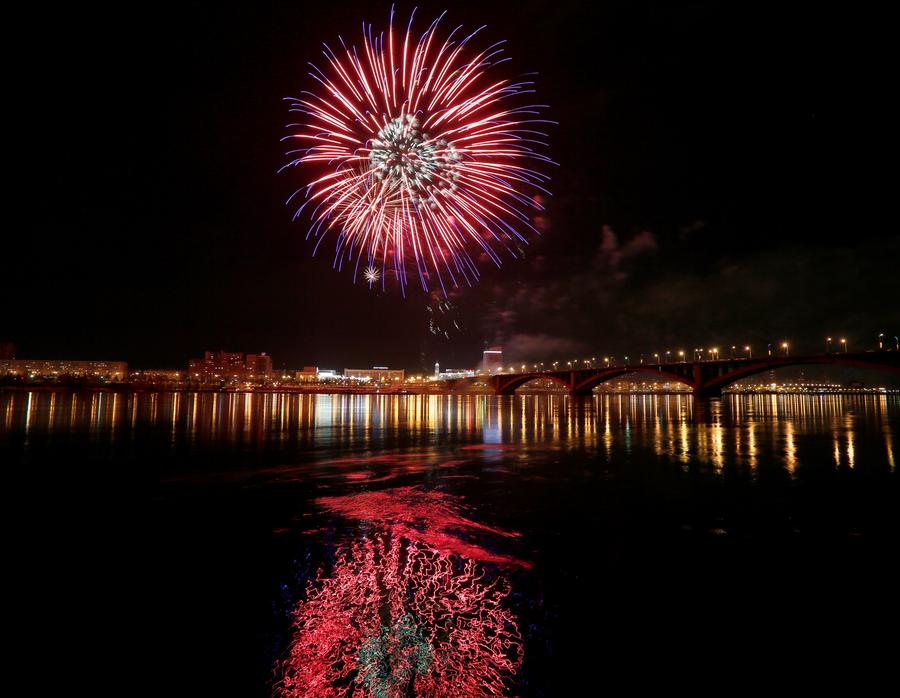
(316, 545)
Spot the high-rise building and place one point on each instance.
(437, 370)
(492, 360)
(259, 365)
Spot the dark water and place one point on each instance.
(223, 544)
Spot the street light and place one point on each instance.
(844, 342)
(881, 341)
(606, 359)
(626, 360)
(749, 352)
(828, 345)
(681, 355)
(784, 345)
(732, 350)
(656, 356)
(667, 355)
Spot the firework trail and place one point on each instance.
(419, 160)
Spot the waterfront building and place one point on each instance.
(53, 369)
(379, 374)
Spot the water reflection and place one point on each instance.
(406, 609)
(742, 431)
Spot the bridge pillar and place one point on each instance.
(706, 392)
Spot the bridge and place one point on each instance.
(706, 378)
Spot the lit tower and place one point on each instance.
(492, 360)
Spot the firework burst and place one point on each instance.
(419, 161)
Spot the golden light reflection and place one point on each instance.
(790, 447)
(747, 430)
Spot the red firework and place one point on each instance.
(420, 160)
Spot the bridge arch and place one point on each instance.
(717, 383)
(508, 387)
(586, 386)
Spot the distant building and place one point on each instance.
(218, 366)
(437, 370)
(53, 369)
(309, 374)
(381, 374)
(456, 373)
(259, 365)
(158, 375)
(7, 350)
(492, 360)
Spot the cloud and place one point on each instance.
(536, 347)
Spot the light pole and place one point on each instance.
(626, 360)
(881, 341)
(828, 345)
(844, 342)
(656, 356)
(715, 353)
(606, 360)
(667, 355)
(784, 345)
(749, 351)
(681, 355)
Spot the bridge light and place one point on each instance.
(749, 352)
(844, 342)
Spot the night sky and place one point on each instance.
(714, 187)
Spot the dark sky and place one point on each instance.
(715, 186)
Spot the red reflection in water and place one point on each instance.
(399, 618)
(432, 518)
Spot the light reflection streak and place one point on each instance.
(749, 430)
